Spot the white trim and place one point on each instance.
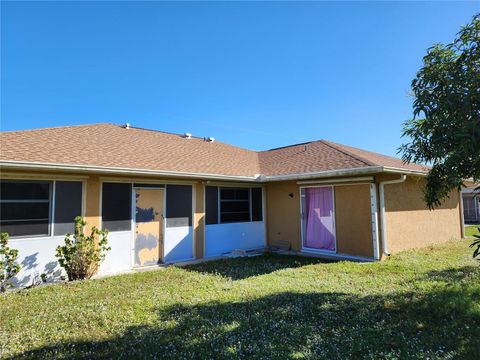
(357, 181)
(194, 211)
(114, 170)
(33, 176)
(374, 216)
(114, 179)
(233, 184)
(402, 178)
(329, 254)
(53, 187)
(166, 173)
(264, 216)
(302, 219)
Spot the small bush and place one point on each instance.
(8, 266)
(81, 255)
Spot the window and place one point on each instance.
(179, 205)
(25, 207)
(68, 205)
(257, 210)
(116, 206)
(211, 205)
(227, 205)
(234, 205)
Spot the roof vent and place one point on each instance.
(209, 139)
(187, 136)
(127, 126)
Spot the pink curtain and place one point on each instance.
(319, 232)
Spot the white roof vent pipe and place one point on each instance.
(209, 139)
(187, 136)
(127, 126)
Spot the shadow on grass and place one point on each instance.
(453, 275)
(245, 267)
(440, 324)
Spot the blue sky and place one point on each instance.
(257, 75)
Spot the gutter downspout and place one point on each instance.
(382, 210)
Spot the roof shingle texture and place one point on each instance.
(113, 146)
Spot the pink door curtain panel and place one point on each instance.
(318, 219)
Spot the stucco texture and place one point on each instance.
(283, 215)
(410, 224)
(353, 220)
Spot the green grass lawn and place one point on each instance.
(471, 230)
(416, 305)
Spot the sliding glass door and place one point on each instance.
(318, 218)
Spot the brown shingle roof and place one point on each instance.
(113, 146)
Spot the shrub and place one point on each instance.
(8, 266)
(476, 245)
(81, 255)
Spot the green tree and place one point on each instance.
(8, 265)
(445, 129)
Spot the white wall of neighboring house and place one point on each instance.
(471, 205)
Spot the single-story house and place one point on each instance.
(168, 198)
(471, 203)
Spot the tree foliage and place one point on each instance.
(82, 254)
(445, 129)
(8, 265)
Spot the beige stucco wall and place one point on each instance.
(410, 224)
(353, 221)
(199, 220)
(352, 217)
(92, 201)
(283, 214)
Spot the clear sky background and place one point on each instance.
(257, 75)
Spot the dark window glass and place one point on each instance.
(179, 205)
(25, 190)
(211, 205)
(116, 206)
(25, 207)
(257, 210)
(234, 205)
(68, 205)
(234, 217)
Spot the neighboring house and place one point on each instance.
(168, 198)
(471, 204)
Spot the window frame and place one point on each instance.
(51, 215)
(250, 204)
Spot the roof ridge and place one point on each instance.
(286, 146)
(346, 152)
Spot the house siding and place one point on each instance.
(283, 215)
(353, 220)
(410, 224)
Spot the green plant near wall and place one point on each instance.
(82, 254)
(8, 265)
(476, 245)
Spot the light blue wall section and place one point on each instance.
(222, 238)
(119, 258)
(178, 243)
(36, 256)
